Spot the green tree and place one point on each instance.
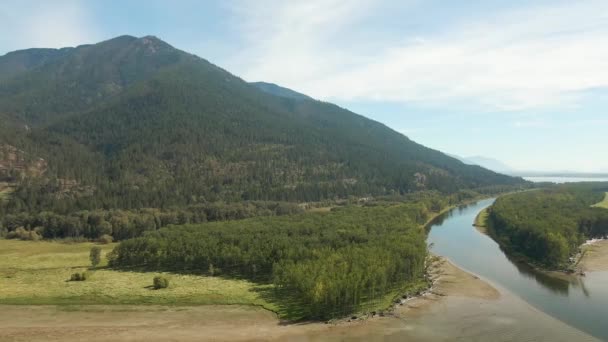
(95, 256)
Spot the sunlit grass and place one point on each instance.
(38, 273)
(481, 220)
(602, 204)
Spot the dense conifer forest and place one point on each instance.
(330, 264)
(134, 123)
(547, 226)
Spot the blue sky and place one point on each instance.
(525, 82)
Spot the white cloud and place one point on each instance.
(288, 39)
(45, 24)
(533, 57)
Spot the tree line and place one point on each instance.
(124, 224)
(120, 224)
(547, 226)
(332, 264)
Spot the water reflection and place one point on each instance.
(574, 300)
(556, 284)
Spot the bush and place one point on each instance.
(23, 234)
(79, 276)
(95, 256)
(105, 239)
(161, 282)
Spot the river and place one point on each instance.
(581, 303)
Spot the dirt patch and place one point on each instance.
(141, 323)
(595, 257)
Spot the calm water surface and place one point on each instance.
(582, 304)
(561, 180)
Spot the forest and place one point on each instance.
(120, 224)
(547, 226)
(134, 123)
(330, 264)
(123, 224)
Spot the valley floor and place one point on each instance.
(460, 307)
(38, 272)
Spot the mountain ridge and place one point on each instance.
(277, 90)
(146, 125)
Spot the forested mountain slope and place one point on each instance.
(133, 122)
(277, 90)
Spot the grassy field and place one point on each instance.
(602, 204)
(38, 273)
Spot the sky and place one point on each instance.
(524, 82)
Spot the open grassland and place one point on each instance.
(602, 204)
(38, 273)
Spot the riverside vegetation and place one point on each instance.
(133, 141)
(547, 226)
(326, 264)
(312, 265)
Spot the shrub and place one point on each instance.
(23, 234)
(105, 239)
(78, 276)
(95, 256)
(161, 282)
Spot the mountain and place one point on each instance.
(485, 162)
(48, 84)
(489, 163)
(133, 122)
(276, 90)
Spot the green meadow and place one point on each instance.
(38, 272)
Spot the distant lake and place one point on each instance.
(564, 179)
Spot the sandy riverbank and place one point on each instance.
(595, 257)
(456, 297)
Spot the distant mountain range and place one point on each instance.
(133, 122)
(485, 162)
(500, 167)
(564, 174)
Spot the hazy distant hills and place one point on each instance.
(500, 167)
(489, 163)
(133, 122)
